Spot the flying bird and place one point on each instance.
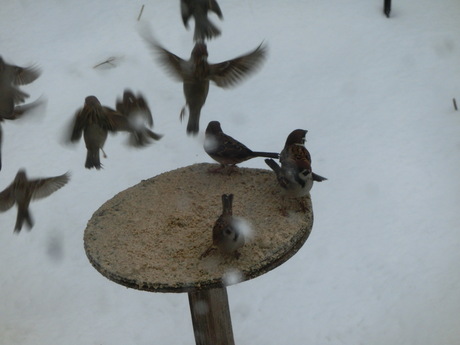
(198, 9)
(136, 109)
(227, 150)
(11, 96)
(197, 72)
(22, 190)
(17, 112)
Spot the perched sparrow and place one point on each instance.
(204, 28)
(136, 109)
(23, 190)
(225, 235)
(295, 175)
(226, 150)
(197, 72)
(94, 121)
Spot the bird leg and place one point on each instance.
(182, 113)
(103, 153)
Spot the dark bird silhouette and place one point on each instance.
(10, 95)
(196, 73)
(136, 109)
(204, 28)
(387, 7)
(23, 190)
(227, 150)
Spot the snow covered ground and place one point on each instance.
(381, 265)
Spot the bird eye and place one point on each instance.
(228, 231)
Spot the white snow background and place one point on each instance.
(382, 263)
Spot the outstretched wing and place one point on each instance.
(230, 73)
(41, 188)
(7, 198)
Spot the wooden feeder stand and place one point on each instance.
(150, 237)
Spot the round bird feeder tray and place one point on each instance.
(151, 236)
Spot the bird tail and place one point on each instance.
(227, 200)
(93, 160)
(274, 166)
(205, 29)
(23, 214)
(266, 154)
(193, 124)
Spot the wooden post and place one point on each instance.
(211, 320)
(387, 7)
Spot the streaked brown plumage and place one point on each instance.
(136, 109)
(204, 28)
(196, 73)
(295, 175)
(227, 150)
(22, 190)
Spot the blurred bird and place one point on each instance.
(136, 109)
(10, 95)
(295, 175)
(225, 235)
(16, 75)
(94, 121)
(196, 73)
(199, 9)
(22, 190)
(16, 113)
(226, 150)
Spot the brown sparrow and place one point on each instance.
(204, 28)
(226, 150)
(23, 190)
(14, 113)
(136, 109)
(226, 237)
(295, 175)
(196, 73)
(94, 121)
